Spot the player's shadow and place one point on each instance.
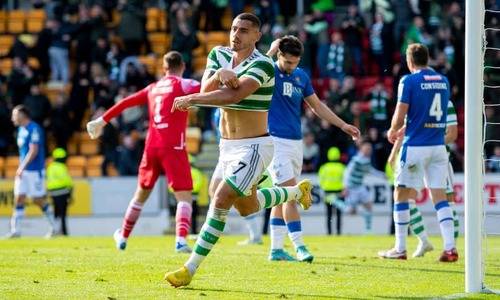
(277, 295)
(392, 267)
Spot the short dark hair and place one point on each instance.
(290, 44)
(173, 60)
(250, 17)
(23, 109)
(418, 54)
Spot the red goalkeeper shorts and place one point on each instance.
(174, 163)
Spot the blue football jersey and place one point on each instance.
(427, 93)
(31, 134)
(286, 104)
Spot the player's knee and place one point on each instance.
(224, 197)
(245, 211)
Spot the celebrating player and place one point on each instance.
(246, 149)
(30, 175)
(292, 87)
(165, 147)
(422, 96)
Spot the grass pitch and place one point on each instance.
(344, 268)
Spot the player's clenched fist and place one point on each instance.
(182, 103)
(94, 128)
(228, 78)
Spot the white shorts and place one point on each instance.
(287, 160)
(421, 166)
(242, 162)
(358, 195)
(450, 178)
(31, 184)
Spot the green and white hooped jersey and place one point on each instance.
(451, 118)
(257, 66)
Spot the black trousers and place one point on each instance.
(330, 209)
(60, 211)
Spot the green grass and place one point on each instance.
(344, 268)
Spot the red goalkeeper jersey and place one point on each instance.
(166, 129)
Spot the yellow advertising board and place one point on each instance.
(80, 205)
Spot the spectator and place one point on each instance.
(41, 50)
(82, 36)
(311, 154)
(213, 9)
(109, 143)
(415, 34)
(113, 60)
(59, 51)
(59, 120)
(100, 84)
(79, 95)
(100, 51)
(493, 163)
(130, 118)
(346, 99)
(330, 136)
(132, 76)
(333, 93)
(380, 43)
(378, 99)
(184, 38)
(337, 62)
(132, 27)
(97, 23)
(6, 128)
(129, 156)
(18, 48)
(380, 148)
(445, 67)
(352, 30)
(267, 11)
(39, 106)
(19, 81)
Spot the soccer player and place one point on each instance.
(416, 221)
(292, 88)
(422, 98)
(355, 192)
(240, 80)
(30, 175)
(165, 147)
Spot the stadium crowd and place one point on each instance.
(353, 53)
